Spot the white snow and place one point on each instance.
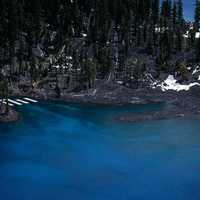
(157, 29)
(171, 84)
(120, 82)
(191, 27)
(69, 57)
(197, 69)
(154, 85)
(67, 66)
(186, 35)
(84, 34)
(94, 92)
(197, 35)
(56, 66)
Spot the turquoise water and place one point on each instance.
(60, 152)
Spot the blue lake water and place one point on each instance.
(65, 151)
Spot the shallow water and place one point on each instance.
(59, 152)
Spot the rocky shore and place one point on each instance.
(10, 116)
(178, 104)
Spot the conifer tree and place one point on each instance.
(180, 22)
(180, 12)
(175, 15)
(197, 15)
(155, 19)
(12, 27)
(197, 26)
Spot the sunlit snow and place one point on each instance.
(197, 69)
(171, 84)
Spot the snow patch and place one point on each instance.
(67, 66)
(69, 57)
(171, 84)
(197, 35)
(120, 82)
(197, 69)
(84, 34)
(56, 66)
(94, 92)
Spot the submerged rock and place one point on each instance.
(158, 115)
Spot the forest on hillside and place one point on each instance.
(71, 45)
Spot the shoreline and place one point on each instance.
(178, 104)
(11, 116)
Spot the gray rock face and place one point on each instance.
(37, 51)
(195, 91)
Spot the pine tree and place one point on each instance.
(166, 12)
(197, 26)
(175, 15)
(36, 13)
(180, 22)
(197, 15)
(12, 27)
(180, 12)
(166, 30)
(155, 11)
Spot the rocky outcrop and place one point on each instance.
(10, 116)
(195, 91)
(177, 104)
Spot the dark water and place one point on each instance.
(61, 152)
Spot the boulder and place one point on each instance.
(195, 91)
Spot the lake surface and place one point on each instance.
(60, 152)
